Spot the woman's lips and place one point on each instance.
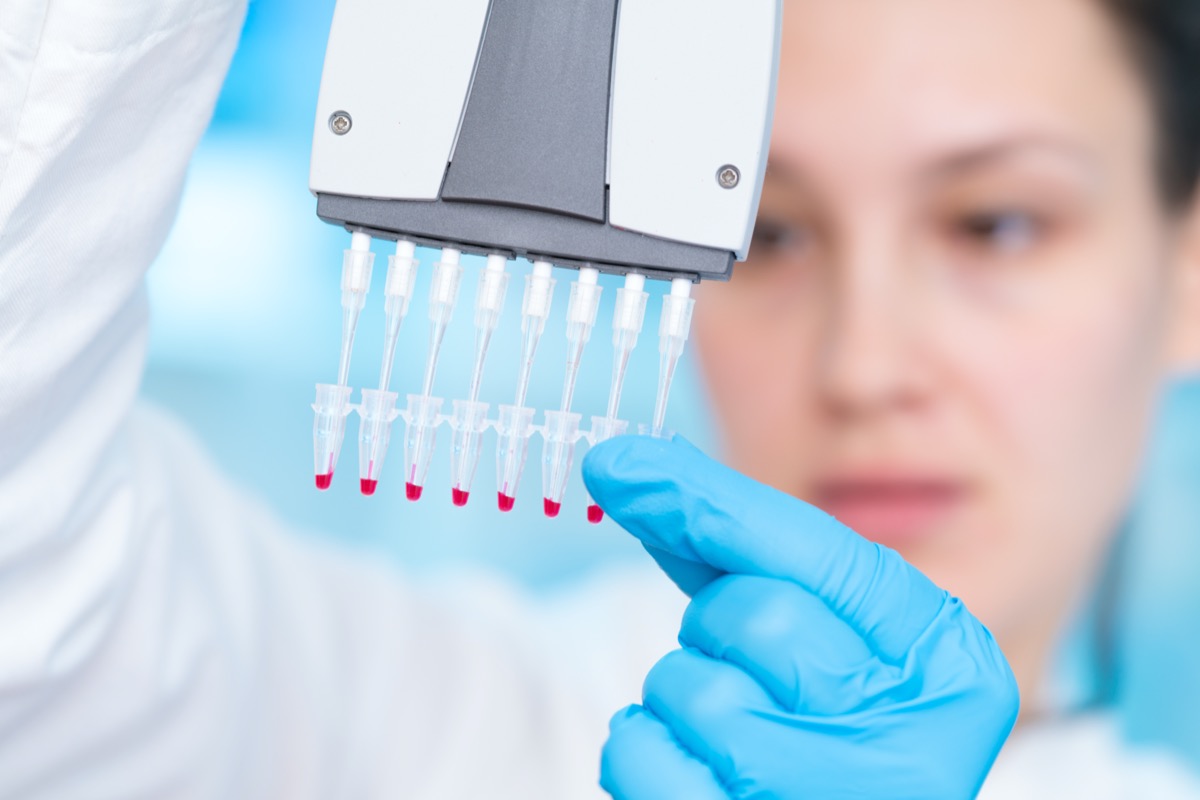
(891, 511)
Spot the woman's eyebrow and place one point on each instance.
(1010, 148)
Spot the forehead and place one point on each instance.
(888, 79)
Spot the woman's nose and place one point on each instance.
(869, 363)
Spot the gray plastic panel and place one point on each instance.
(565, 241)
(535, 130)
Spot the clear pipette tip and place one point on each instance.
(581, 318)
(673, 331)
(398, 293)
(535, 310)
(629, 315)
(357, 265)
(443, 296)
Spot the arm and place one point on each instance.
(160, 633)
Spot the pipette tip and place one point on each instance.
(460, 497)
(368, 487)
(552, 508)
(595, 514)
(506, 502)
(413, 492)
(325, 481)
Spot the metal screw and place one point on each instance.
(729, 176)
(340, 123)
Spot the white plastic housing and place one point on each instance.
(401, 70)
(693, 91)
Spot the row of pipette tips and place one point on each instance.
(560, 433)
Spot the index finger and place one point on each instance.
(674, 498)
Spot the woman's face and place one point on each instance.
(955, 317)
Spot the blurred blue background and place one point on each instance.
(246, 319)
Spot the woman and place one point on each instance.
(975, 271)
(977, 239)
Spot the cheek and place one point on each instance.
(756, 386)
(1059, 394)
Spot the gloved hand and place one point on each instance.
(815, 664)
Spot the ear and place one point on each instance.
(1185, 343)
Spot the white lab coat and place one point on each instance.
(161, 634)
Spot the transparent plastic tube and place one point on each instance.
(377, 412)
(629, 316)
(443, 296)
(329, 429)
(581, 318)
(603, 429)
(469, 422)
(558, 454)
(673, 332)
(514, 429)
(420, 438)
(398, 292)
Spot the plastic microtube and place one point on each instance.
(401, 280)
(581, 318)
(378, 412)
(443, 295)
(603, 429)
(673, 332)
(558, 453)
(515, 429)
(469, 422)
(628, 318)
(420, 437)
(329, 428)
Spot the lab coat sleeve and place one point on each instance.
(161, 635)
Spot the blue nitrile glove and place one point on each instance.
(815, 664)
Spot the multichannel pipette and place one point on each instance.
(593, 167)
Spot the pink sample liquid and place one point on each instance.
(595, 514)
(325, 481)
(506, 502)
(368, 487)
(552, 508)
(460, 497)
(412, 491)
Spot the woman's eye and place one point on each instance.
(1004, 232)
(774, 236)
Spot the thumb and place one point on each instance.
(677, 500)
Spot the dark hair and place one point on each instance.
(1165, 38)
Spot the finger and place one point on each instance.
(672, 497)
(714, 710)
(643, 761)
(689, 576)
(788, 640)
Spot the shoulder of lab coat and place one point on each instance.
(1085, 756)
